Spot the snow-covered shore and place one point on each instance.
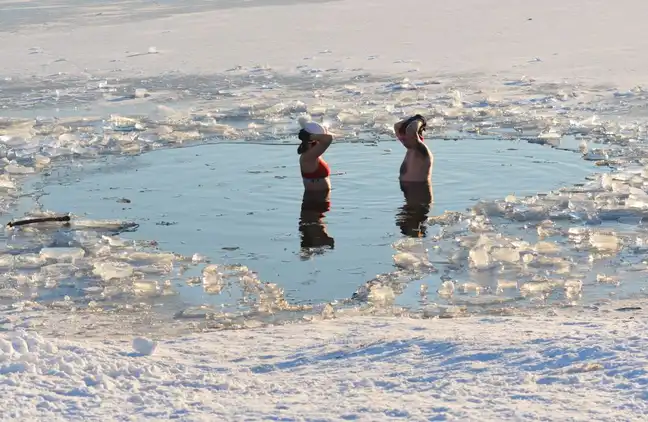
(561, 365)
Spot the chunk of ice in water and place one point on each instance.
(112, 270)
(157, 268)
(193, 281)
(92, 290)
(62, 254)
(546, 248)
(573, 285)
(506, 284)
(146, 287)
(6, 182)
(196, 312)
(381, 295)
(470, 286)
(505, 254)
(605, 242)
(606, 279)
(479, 258)
(637, 199)
(533, 288)
(7, 261)
(479, 224)
(578, 235)
(10, 294)
(112, 290)
(409, 261)
(549, 135)
(158, 257)
(41, 160)
(59, 270)
(606, 181)
(115, 242)
(573, 289)
(197, 258)
(446, 289)
(14, 168)
(212, 279)
(68, 138)
(328, 312)
(66, 303)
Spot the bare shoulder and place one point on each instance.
(422, 149)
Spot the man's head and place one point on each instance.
(406, 123)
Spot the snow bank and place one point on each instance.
(557, 367)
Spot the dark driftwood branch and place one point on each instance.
(38, 220)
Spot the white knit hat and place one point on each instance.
(310, 126)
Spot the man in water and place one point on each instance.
(415, 176)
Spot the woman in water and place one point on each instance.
(315, 140)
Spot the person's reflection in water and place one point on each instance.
(312, 229)
(412, 216)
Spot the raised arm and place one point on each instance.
(324, 141)
(408, 130)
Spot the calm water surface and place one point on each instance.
(241, 204)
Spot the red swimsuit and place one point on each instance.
(323, 170)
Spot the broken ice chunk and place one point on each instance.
(546, 248)
(62, 254)
(470, 287)
(212, 279)
(479, 258)
(6, 182)
(14, 168)
(146, 287)
(605, 242)
(506, 284)
(505, 254)
(381, 295)
(112, 270)
(535, 288)
(573, 289)
(446, 289)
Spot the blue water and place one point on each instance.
(241, 203)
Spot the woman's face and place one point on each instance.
(313, 143)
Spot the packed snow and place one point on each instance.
(562, 365)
